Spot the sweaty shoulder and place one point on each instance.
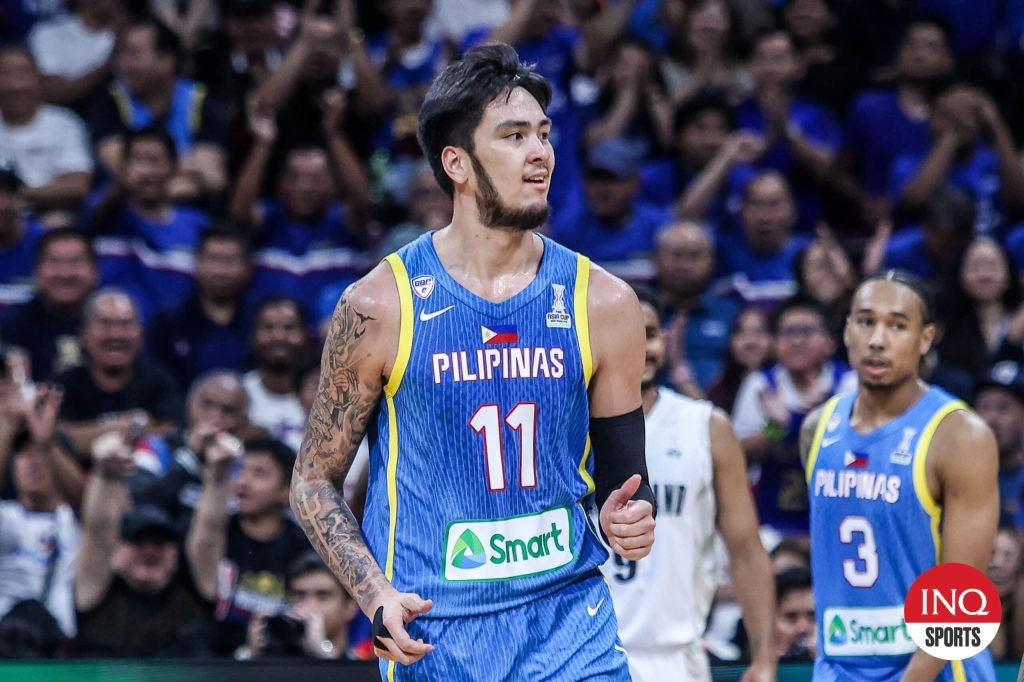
(609, 297)
(962, 441)
(372, 304)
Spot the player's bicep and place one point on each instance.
(351, 382)
(617, 344)
(968, 460)
(737, 519)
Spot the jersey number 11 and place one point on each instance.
(522, 418)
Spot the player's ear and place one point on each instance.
(455, 164)
(927, 337)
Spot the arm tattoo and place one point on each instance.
(334, 429)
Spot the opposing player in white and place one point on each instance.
(698, 474)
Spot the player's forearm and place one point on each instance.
(752, 578)
(335, 534)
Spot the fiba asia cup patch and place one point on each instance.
(952, 611)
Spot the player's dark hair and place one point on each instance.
(282, 455)
(791, 580)
(150, 133)
(457, 98)
(57, 234)
(912, 282)
(799, 302)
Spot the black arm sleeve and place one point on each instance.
(618, 445)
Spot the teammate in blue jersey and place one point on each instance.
(493, 413)
(901, 476)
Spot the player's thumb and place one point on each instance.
(416, 604)
(625, 492)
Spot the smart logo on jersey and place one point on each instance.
(505, 333)
(953, 611)
(469, 551)
(502, 549)
(866, 631)
(855, 460)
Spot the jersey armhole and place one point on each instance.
(819, 433)
(405, 323)
(921, 450)
(579, 304)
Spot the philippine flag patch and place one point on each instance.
(505, 333)
(855, 460)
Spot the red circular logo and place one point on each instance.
(952, 611)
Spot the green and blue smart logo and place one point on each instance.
(468, 552)
(837, 631)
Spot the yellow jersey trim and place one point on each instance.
(391, 671)
(579, 304)
(924, 495)
(392, 484)
(819, 433)
(405, 323)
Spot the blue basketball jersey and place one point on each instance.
(480, 456)
(874, 529)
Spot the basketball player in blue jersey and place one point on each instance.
(492, 413)
(901, 476)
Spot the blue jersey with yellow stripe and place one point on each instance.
(874, 528)
(480, 454)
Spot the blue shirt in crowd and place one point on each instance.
(663, 181)
(878, 131)
(16, 264)
(707, 335)
(762, 279)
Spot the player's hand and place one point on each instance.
(628, 524)
(399, 609)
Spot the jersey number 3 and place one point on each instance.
(862, 571)
(522, 418)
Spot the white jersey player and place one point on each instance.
(698, 474)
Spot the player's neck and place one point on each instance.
(473, 253)
(874, 408)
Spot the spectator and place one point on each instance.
(19, 232)
(697, 320)
(831, 72)
(408, 59)
(429, 208)
(757, 265)
(116, 389)
(796, 628)
(714, 163)
(150, 92)
(74, 51)
(215, 409)
(306, 238)
(999, 400)
(632, 102)
(1004, 570)
(981, 297)
(929, 251)
(134, 597)
(240, 62)
(320, 612)
(147, 240)
(704, 52)
(39, 534)
(328, 54)
(47, 145)
(242, 559)
(802, 138)
(960, 156)
(280, 347)
(772, 404)
(47, 325)
(749, 350)
(824, 273)
(606, 223)
(885, 124)
(790, 554)
(210, 329)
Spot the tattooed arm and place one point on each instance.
(360, 348)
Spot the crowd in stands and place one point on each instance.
(187, 186)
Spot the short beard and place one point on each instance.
(495, 214)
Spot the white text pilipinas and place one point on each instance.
(486, 364)
(863, 485)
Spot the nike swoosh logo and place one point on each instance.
(825, 442)
(424, 315)
(592, 611)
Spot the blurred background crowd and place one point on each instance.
(187, 187)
